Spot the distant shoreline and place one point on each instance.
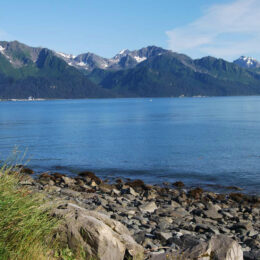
(114, 98)
(23, 99)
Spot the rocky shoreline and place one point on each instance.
(164, 220)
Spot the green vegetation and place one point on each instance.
(24, 221)
(27, 229)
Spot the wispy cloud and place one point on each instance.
(224, 30)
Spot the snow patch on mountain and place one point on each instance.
(66, 56)
(2, 49)
(82, 64)
(105, 65)
(140, 59)
(123, 51)
(249, 60)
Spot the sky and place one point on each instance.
(220, 28)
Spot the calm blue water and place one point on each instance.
(197, 140)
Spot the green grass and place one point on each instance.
(27, 229)
(25, 225)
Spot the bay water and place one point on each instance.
(209, 142)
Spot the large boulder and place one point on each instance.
(223, 247)
(98, 235)
(219, 247)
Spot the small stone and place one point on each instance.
(196, 193)
(148, 207)
(178, 184)
(25, 170)
(163, 236)
(175, 204)
(150, 194)
(132, 192)
(242, 225)
(140, 237)
(68, 181)
(252, 233)
(27, 180)
(116, 192)
(91, 176)
(136, 184)
(52, 188)
(104, 187)
(256, 211)
(212, 213)
(226, 214)
(93, 184)
(70, 193)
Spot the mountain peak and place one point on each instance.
(247, 62)
(124, 51)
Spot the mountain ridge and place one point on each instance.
(123, 60)
(148, 72)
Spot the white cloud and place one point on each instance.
(225, 30)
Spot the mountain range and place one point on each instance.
(149, 72)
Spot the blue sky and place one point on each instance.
(222, 28)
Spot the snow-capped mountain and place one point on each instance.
(87, 61)
(18, 54)
(247, 62)
(123, 60)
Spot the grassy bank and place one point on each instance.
(26, 227)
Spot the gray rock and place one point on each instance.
(52, 189)
(27, 180)
(172, 212)
(163, 236)
(140, 237)
(148, 207)
(100, 236)
(104, 187)
(252, 233)
(256, 211)
(116, 192)
(68, 181)
(225, 248)
(242, 225)
(175, 204)
(70, 193)
(218, 248)
(201, 228)
(212, 213)
(252, 255)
